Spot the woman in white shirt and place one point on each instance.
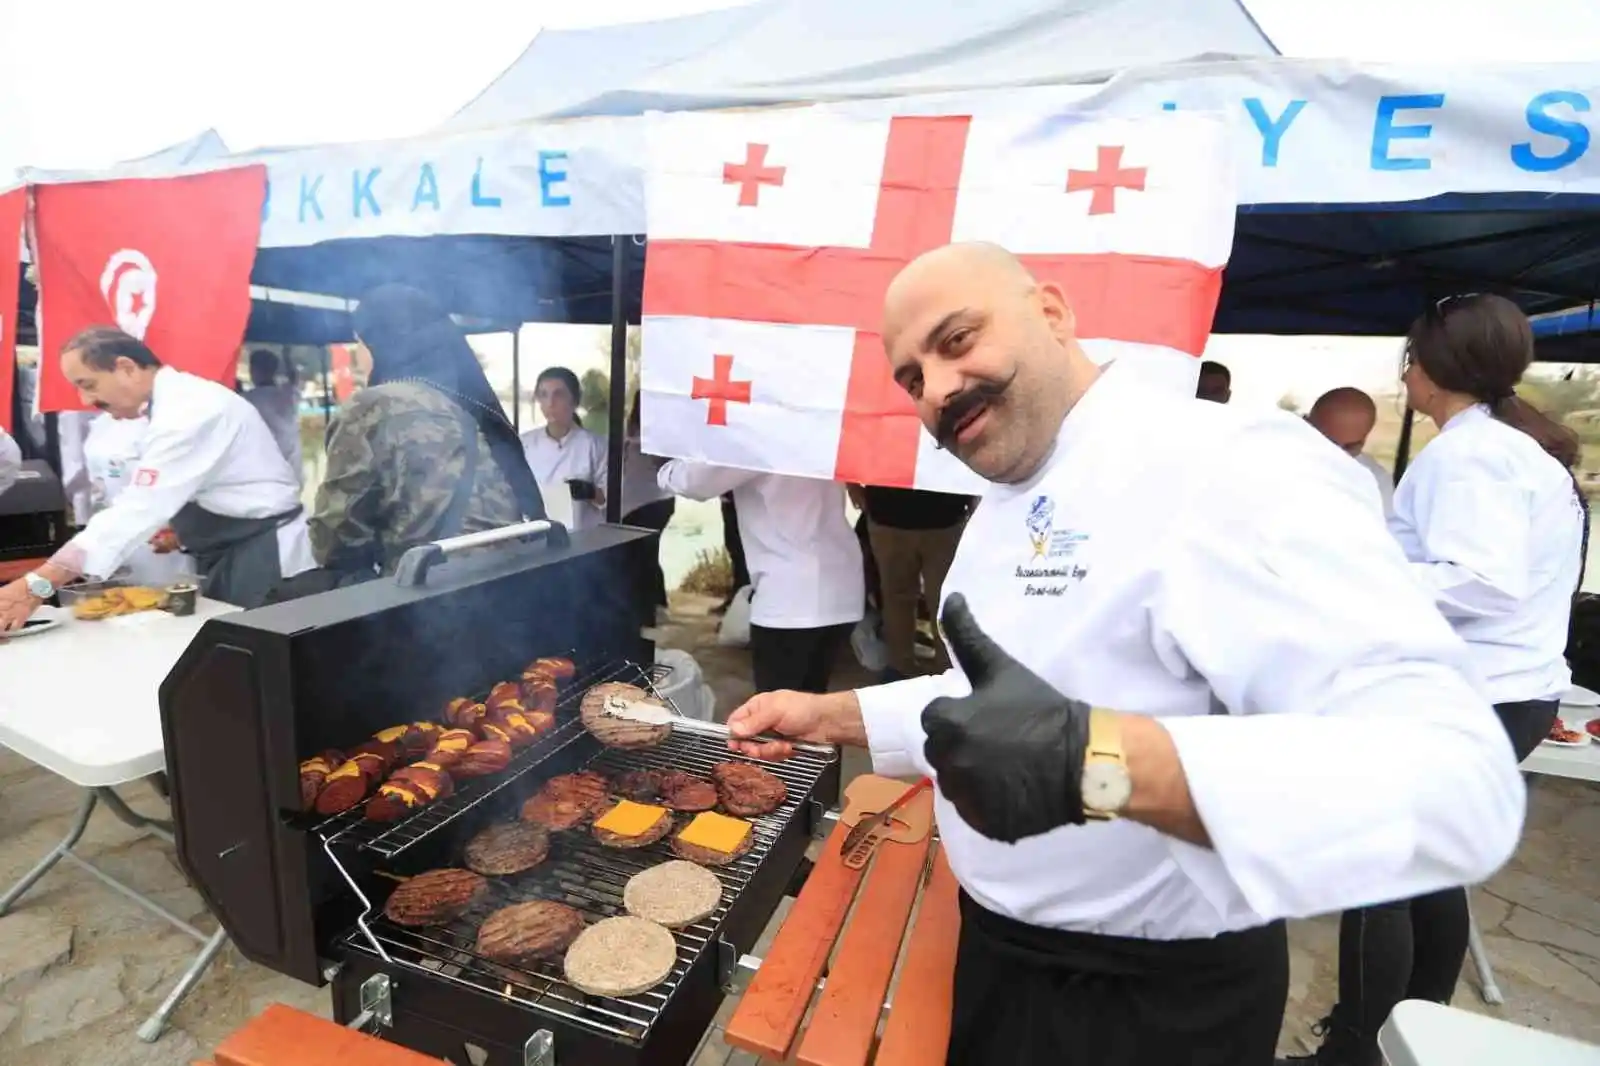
(561, 452)
(644, 502)
(1495, 527)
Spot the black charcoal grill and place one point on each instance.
(259, 691)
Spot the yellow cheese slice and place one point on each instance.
(349, 769)
(716, 832)
(629, 819)
(392, 734)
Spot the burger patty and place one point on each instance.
(568, 801)
(509, 848)
(746, 790)
(436, 897)
(641, 786)
(686, 792)
(620, 732)
(662, 827)
(706, 857)
(526, 932)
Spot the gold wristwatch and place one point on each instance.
(1106, 785)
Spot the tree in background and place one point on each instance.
(597, 383)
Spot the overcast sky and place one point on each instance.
(85, 83)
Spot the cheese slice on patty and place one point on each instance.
(629, 819)
(716, 832)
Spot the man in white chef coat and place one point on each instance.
(1346, 416)
(209, 470)
(1283, 725)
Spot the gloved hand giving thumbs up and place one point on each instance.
(1009, 756)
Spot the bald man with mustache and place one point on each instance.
(1197, 693)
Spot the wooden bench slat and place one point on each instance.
(773, 1006)
(845, 1021)
(918, 1028)
(283, 1036)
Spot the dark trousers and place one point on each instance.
(1026, 996)
(798, 659)
(734, 546)
(1414, 948)
(654, 516)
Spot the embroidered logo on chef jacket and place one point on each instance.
(145, 477)
(116, 470)
(1047, 573)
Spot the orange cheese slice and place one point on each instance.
(716, 832)
(629, 819)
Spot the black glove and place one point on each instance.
(1009, 756)
(582, 491)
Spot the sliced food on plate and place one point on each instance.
(713, 839)
(673, 894)
(527, 932)
(621, 957)
(1562, 736)
(632, 825)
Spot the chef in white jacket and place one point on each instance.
(111, 452)
(805, 568)
(210, 470)
(1287, 725)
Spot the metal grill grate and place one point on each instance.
(590, 877)
(389, 839)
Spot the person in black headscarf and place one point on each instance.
(424, 452)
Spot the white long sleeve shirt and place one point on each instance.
(579, 455)
(204, 445)
(1384, 479)
(804, 559)
(10, 460)
(1230, 562)
(1493, 529)
(111, 452)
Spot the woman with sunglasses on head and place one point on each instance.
(1494, 525)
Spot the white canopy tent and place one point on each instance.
(784, 51)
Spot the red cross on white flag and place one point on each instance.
(773, 240)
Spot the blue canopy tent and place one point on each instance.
(1569, 336)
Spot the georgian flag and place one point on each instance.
(773, 235)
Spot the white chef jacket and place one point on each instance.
(1493, 528)
(1384, 479)
(111, 452)
(581, 455)
(804, 559)
(279, 407)
(640, 485)
(1230, 576)
(205, 445)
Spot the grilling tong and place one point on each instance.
(656, 714)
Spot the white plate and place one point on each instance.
(1568, 743)
(1578, 696)
(46, 619)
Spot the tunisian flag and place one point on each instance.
(166, 259)
(13, 205)
(773, 235)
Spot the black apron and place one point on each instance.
(1029, 996)
(238, 557)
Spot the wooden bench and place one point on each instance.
(283, 1036)
(902, 881)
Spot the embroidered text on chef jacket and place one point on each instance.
(579, 455)
(804, 560)
(205, 445)
(1235, 555)
(1493, 528)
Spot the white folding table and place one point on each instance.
(102, 743)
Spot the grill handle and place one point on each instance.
(416, 562)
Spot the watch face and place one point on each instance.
(1106, 786)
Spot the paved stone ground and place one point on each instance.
(80, 967)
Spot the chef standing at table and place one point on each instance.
(1282, 721)
(210, 470)
(111, 451)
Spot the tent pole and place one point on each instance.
(516, 379)
(619, 377)
(1402, 454)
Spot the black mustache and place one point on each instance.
(965, 404)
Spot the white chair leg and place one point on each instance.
(1480, 960)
